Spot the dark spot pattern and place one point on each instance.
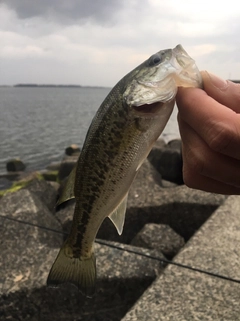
(112, 144)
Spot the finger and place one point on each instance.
(224, 91)
(200, 158)
(197, 181)
(218, 126)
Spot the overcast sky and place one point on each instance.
(96, 42)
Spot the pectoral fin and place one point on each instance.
(118, 216)
(68, 190)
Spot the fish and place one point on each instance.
(120, 137)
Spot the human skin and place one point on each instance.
(209, 123)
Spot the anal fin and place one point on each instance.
(118, 215)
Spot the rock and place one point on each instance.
(72, 150)
(66, 167)
(10, 176)
(28, 176)
(113, 262)
(55, 185)
(29, 252)
(170, 166)
(5, 183)
(55, 166)
(160, 143)
(122, 278)
(148, 176)
(50, 175)
(22, 246)
(181, 208)
(22, 180)
(46, 193)
(64, 214)
(11, 179)
(181, 294)
(175, 144)
(15, 165)
(168, 184)
(147, 181)
(168, 161)
(160, 237)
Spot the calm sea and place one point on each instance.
(37, 124)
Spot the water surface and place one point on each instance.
(37, 124)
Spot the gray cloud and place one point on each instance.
(68, 11)
(79, 41)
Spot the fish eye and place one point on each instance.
(154, 60)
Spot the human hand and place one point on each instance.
(209, 123)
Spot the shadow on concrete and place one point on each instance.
(184, 218)
(110, 303)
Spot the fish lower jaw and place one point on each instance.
(154, 109)
(148, 110)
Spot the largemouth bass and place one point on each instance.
(120, 137)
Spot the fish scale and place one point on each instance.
(121, 135)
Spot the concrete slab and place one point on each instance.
(184, 295)
(27, 254)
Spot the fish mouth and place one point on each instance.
(186, 72)
(148, 109)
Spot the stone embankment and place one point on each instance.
(163, 217)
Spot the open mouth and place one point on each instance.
(148, 108)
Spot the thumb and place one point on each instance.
(224, 91)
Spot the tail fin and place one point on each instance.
(78, 271)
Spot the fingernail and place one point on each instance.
(217, 82)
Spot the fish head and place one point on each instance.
(157, 79)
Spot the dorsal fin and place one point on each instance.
(118, 216)
(68, 190)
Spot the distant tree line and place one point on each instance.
(46, 85)
(55, 86)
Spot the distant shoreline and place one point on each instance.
(50, 86)
(68, 86)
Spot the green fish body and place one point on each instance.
(120, 137)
